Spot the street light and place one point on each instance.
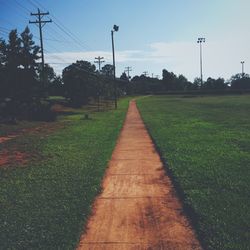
(242, 63)
(200, 41)
(115, 29)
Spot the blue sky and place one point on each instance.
(154, 34)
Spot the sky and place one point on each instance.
(153, 34)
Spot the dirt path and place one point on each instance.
(138, 208)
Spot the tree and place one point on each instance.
(197, 83)
(29, 51)
(108, 70)
(56, 87)
(214, 83)
(29, 85)
(19, 79)
(3, 72)
(182, 83)
(49, 73)
(240, 82)
(80, 82)
(124, 77)
(13, 51)
(169, 80)
(140, 84)
(53, 82)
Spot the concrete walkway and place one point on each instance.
(138, 208)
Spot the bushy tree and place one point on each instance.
(240, 82)
(124, 77)
(168, 80)
(107, 70)
(20, 89)
(79, 82)
(214, 84)
(29, 51)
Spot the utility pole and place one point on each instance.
(115, 29)
(242, 65)
(99, 61)
(145, 73)
(128, 69)
(152, 75)
(41, 23)
(200, 41)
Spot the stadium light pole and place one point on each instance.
(200, 41)
(242, 65)
(115, 29)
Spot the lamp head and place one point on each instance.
(116, 28)
(201, 39)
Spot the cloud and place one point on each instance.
(220, 58)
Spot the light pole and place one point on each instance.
(242, 64)
(115, 29)
(200, 41)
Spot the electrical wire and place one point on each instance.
(62, 27)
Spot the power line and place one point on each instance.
(58, 24)
(18, 8)
(52, 32)
(22, 6)
(68, 34)
(63, 28)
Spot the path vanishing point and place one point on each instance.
(138, 207)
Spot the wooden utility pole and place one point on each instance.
(145, 73)
(99, 61)
(41, 23)
(128, 69)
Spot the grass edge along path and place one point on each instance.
(45, 204)
(205, 144)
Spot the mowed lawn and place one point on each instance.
(205, 143)
(45, 203)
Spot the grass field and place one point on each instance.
(45, 203)
(205, 143)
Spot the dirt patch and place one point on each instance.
(44, 129)
(12, 158)
(138, 208)
(7, 138)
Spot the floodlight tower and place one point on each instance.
(115, 29)
(200, 41)
(242, 65)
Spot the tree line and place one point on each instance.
(24, 87)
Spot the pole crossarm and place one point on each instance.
(99, 62)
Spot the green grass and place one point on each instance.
(45, 204)
(205, 143)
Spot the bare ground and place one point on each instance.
(13, 155)
(138, 208)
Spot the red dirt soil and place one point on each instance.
(45, 128)
(14, 157)
(138, 208)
